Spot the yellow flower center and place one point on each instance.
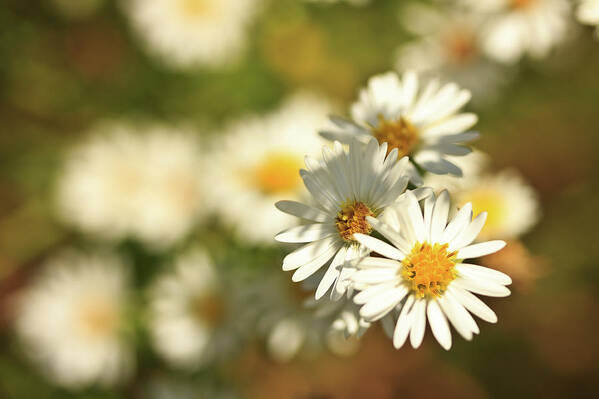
(461, 47)
(429, 269)
(278, 173)
(520, 4)
(98, 318)
(196, 9)
(400, 134)
(351, 219)
(209, 309)
(490, 201)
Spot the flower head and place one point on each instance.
(424, 125)
(72, 320)
(256, 162)
(588, 13)
(126, 183)
(187, 308)
(193, 32)
(422, 272)
(348, 187)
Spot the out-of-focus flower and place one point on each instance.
(448, 44)
(588, 13)
(472, 166)
(77, 8)
(514, 28)
(193, 32)
(187, 311)
(72, 322)
(346, 187)
(423, 271)
(256, 163)
(424, 125)
(125, 181)
(511, 204)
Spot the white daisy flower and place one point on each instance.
(71, 320)
(424, 125)
(518, 27)
(346, 187)
(588, 13)
(128, 181)
(448, 44)
(193, 32)
(424, 273)
(511, 205)
(187, 309)
(256, 163)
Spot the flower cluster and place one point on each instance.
(385, 242)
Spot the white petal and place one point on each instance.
(374, 276)
(374, 262)
(458, 223)
(311, 267)
(419, 323)
(331, 274)
(473, 304)
(379, 246)
(306, 233)
(302, 211)
(308, 252)
(382, 304)
(457, 317)
(480, 249)
(439, 218)
(475, 271)
(482, 287)
(438, 324)
(469, 234)
(452, 125)
(404, 323)
(364, 296)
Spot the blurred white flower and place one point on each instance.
(256, 162)
(187, 33)
(423, 271)
(71, 320)
(514, 28)
(588, 13)
(285, 339)
(422, 124)
(187, 308)
(127, 181)
(448, 45)
(346, 187)
(472, 166)
(511, 204)
(77, 8)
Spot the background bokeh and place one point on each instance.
(60, 75)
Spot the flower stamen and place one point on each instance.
(400, 134)
(351, 219)
(429, 269)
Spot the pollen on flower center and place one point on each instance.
(351, 219)
(195, 9)
(429, 269)
(278, 173)
(97, 318)
(209, 309)
(400, 134)
(520, 4)
(461, 47)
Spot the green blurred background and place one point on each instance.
(58, 76)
